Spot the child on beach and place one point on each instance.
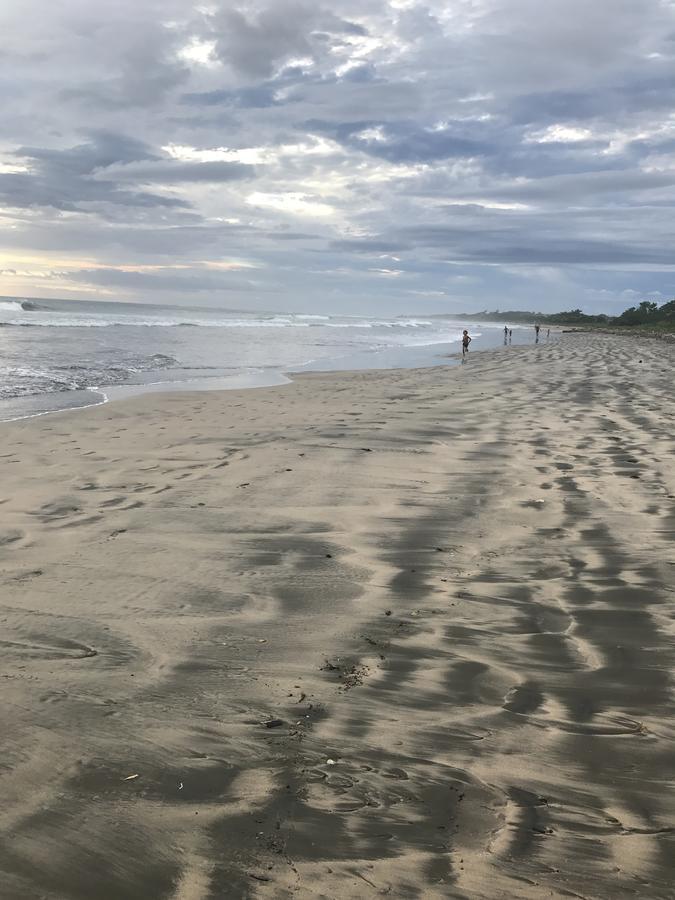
(466, 340)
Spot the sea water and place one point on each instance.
(66, 354)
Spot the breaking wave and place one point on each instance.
(17, 313)
(29, 380)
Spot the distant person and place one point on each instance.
(506, 330)
(510, 334)
(548, 333)
(536, 334)
(466, 340)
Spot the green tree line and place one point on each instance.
(646, 313)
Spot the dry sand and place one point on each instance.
(454, 587)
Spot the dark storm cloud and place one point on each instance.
(67, 179)
(498, 136)
(583, 187)
(407, 141)
(26, 191)
(498, 246)
(370, 246)
(256, 42)
(102, 149)
(138, 54)
(291, 236)
(258, 97)
(95, 172)
(473, 234)
(170, 172)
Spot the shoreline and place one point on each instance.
(406, 357)
(247, 381)
(397, 631)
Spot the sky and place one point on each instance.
(354, 156)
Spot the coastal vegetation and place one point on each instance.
(647, 315)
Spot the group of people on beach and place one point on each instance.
(508, 332)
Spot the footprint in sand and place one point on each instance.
(51, 511)
(48, 648)
(10, 537)
(524, 698)
(26, 576)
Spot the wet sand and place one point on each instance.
(400, 633)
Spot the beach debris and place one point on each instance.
(244, 484)
(351, 676)
(388, 612)
(258, 877)
(302, 697)
(180, 785)
(354, 676)
(331, 762)
(262, 640)
(329, 667)
(329, 555)
(366, 449)
(131, 777)
(273, 723)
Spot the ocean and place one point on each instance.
(68, 354)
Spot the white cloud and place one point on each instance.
(387, 273)
(292, 203)
(564, 134)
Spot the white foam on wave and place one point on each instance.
(27, 381)
(380, 323)
(50, 318)
(11, 305)
(64, 320)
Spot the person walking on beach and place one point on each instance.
(466, 340)
(536, 334)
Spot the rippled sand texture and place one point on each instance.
(448, 591)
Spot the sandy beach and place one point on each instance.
(403, 633)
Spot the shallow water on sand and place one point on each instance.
(67, 354)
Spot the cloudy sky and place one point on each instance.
(348, 156)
